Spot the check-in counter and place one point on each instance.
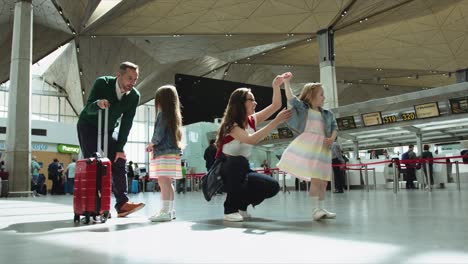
(462, 168)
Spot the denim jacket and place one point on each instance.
(298, 119)
(163, 141)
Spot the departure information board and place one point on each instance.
(459, 105)
(408, 116)
(372, 119)
(389, 119)
(346, 122)
(427, 110)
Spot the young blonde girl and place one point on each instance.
(166, 148)
(308, 156)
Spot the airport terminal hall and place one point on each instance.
(233, 131)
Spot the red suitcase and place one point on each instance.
(93, 183)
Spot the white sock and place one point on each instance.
(320, 204)
(171, 205)
(315, 201)
(166, 206)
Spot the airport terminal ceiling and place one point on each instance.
(382, 48)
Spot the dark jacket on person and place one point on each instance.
(53, 171)
(209, 156)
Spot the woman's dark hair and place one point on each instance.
(235, 113)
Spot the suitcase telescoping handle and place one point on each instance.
(103, 151)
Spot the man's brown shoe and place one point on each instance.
(128, 208)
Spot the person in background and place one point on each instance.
(70, 173)
(426, 154)
(121, 98)
(338, 171)
(236, 136)
(266, 168)
(308, 157)
(464, 152)
(166, 146)
(410, 167)
(209, 155)
(35, 168)
(130, 175)
(181, 182)
(374, 155)
(385, 153)
(55, 171)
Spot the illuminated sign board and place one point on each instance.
(459, 105)
(408, 116)
(346, 123)
(389, 119)
(427, 110)
(285, 132)
(372, 119)
(71, 149)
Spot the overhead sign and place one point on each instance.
(389, 119)
(69, 149)
(427, 110)
(459, 105)
(408, 116)
(285, 132)
(346, 122)
(372, 119)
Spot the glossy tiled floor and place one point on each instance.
(371, 227)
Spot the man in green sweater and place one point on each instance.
(119, 95)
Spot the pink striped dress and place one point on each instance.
(168, 165)
(307, 157)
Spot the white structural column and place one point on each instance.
(327, 67)
(18, 138)
(356, 149)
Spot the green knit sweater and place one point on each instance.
(104, 88)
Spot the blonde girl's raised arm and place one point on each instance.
(287, 88)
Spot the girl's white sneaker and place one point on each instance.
(161, 217)
(329, 215)
(318, 214)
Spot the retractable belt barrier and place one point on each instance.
(397, 165)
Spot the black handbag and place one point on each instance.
(212, 181)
